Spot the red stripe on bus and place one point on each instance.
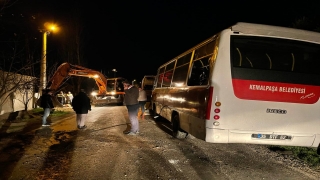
(209, 103)
(275, 91)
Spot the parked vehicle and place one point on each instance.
(249, 83)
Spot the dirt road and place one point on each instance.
(102, 151)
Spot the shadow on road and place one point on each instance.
(109, 127)
(17, 146)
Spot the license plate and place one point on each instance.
(271, 136)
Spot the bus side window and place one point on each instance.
(199, 72)
(167, 77)
(181, 71)
(160, 77)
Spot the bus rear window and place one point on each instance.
(275, 54)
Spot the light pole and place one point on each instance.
(43, 63)
(115, 71)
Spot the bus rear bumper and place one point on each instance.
(262, 137)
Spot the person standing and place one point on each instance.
(36, 97)
(142, 100)
(47, 105)
(81, 105)
(131, 101)
(69, 97)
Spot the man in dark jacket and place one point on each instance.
(81, 105)
(131, 101)
(47, 105)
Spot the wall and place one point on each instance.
(12, 102)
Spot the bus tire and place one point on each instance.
(176, 131)
(154, 113)
(152, 110)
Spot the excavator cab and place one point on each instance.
(114, 93)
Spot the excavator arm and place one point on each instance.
(66, 70)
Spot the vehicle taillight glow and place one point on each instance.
(216, 111)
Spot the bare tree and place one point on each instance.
(17, 77)
(16, 87)
(7, 87)
(16, 73)
(26, 89)
(6, 4)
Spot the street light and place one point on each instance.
(115, 71)
(43, 65)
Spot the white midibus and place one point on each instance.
(250, 83)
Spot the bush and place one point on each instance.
(307, 154)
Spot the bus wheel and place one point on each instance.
(152, 110)
(154, 113)
(176, 131)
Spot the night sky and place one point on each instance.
(139, 36)
(136, 37)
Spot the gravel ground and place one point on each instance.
(102, 151)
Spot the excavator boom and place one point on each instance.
(65, 70)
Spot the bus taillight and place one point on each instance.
(217, 110)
